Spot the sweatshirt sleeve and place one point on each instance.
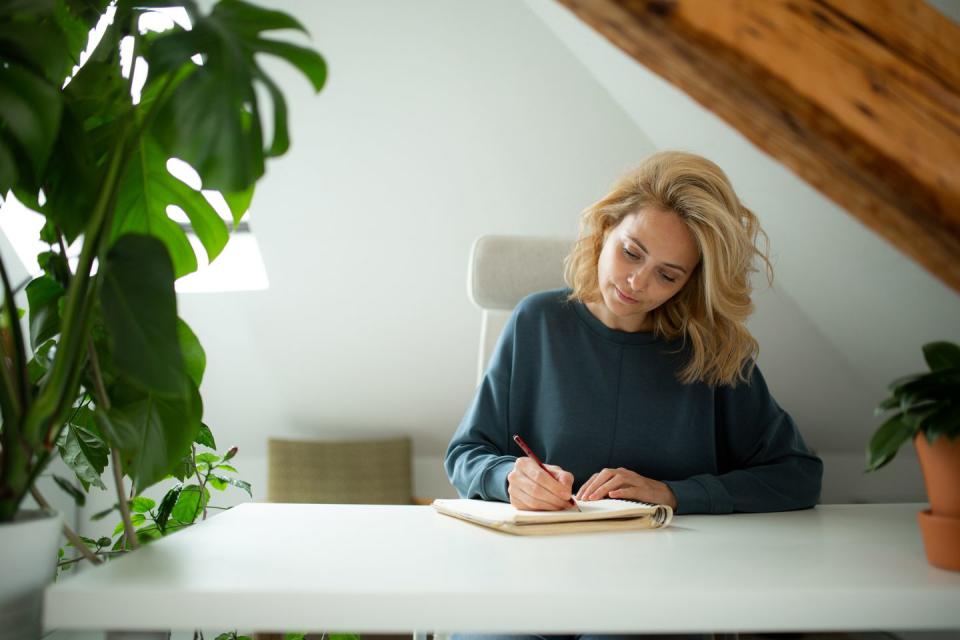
(475, 460)
(764, 463)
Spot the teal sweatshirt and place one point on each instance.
(587, 397)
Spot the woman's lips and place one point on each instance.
(623, 297)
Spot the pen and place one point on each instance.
(533, 456)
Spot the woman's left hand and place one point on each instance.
(624, 484)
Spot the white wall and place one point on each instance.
(443, 120)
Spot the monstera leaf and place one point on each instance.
(212, 119)
(147, 190)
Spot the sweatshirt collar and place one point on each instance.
(614, 335)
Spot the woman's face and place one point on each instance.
(645, 261)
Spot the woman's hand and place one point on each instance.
(530, 487)
(624, 484)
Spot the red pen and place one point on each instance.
(533, 456)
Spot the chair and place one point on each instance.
(376, 471)
(505, 269)
(340, 471)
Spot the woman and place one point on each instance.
(639, 382)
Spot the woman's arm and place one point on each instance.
(764, 463)
(476, 461)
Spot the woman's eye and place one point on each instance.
(630, 255)
(667, 278)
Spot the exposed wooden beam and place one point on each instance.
(860, 98)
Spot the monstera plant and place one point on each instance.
(105, 368)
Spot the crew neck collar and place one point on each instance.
(614, 335)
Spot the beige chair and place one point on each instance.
(340, 471)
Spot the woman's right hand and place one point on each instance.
(530, 487)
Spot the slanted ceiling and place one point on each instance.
(860, 98)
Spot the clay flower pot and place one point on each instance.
(940, 525)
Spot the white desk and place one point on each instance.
(391, 569)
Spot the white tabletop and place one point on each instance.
(354, 568)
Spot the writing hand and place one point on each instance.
(624, 484)
(530, 487)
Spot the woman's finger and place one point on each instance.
(615, 481)
(525, 495)
(527, 480)
(558, 488)
(595, 481)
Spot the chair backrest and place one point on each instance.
(505, 269)
(340, 471)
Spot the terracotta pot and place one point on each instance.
(941, 473)
(940, 525)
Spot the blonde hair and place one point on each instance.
(712, 307)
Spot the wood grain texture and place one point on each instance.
(859, 98)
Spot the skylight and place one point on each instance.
(239, 267)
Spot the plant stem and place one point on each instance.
(19, 351)
(67, 531)
(64, 563)
(202, 482)
(59, 390)
(129, 535)
(15, 452)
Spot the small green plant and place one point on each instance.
(927, 403)
(183, 505)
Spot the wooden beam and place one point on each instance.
(860, 98)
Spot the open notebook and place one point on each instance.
(595, 515)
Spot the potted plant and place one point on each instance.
(926, 408)
(105, 368)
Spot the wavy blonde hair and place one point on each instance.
(712, 307)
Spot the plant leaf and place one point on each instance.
(247, 20)
(887, 440)
(281, 137)
(239, 203)
(941, 355)
(152, 432)
(240, 484)
(194, 358)
(944, 421)
(166, 506)
(145, 193)
(889, 403)
(212, 117)
(205, 437)
(78, 496)
(309, 62)
(190, 504)
(43, 294)
(100, 515)
(30, 109)
(208, 458)
(140, 314)
(142, 504)
(85, 453)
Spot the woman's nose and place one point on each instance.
(638, 279)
